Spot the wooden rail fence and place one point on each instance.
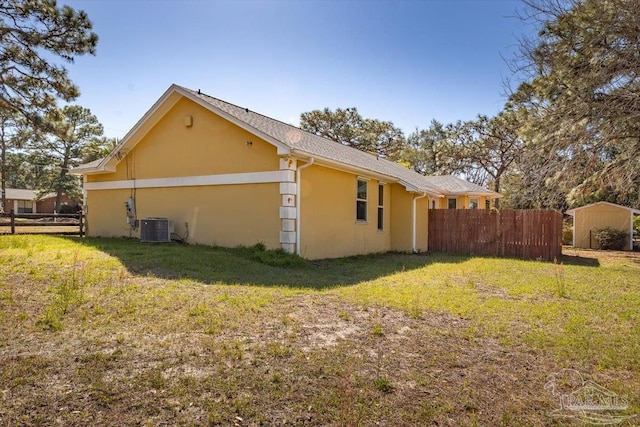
(526, 234)
(42, 223)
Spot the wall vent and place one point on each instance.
(156, 230)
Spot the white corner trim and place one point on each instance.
(192, 181)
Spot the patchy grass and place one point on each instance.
(115, 332)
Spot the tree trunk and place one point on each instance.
(496, 188)
(60, 186)
(3, 172)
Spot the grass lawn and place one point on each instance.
(116, 332)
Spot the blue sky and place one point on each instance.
(403, 61)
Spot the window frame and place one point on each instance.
(380, 207)
(477, 202)
(455, 200)
(24, 209)
(362, 201)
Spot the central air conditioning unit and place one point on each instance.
(156, 230)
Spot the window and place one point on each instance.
(380, 207)
(25, 206)
(361, 201)
(452, 203)
(433, 204)
(473, 204)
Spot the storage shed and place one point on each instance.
(589, 218)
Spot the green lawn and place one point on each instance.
(115, 332)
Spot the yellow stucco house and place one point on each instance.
(589, 218)
(228, 176)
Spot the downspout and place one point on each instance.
(413, 223)
(298, 199)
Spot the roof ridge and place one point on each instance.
(248, 110)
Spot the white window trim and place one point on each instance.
(477, 200)
(380, 206)
(365, 200)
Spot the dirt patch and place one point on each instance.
(311, 360)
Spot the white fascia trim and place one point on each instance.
(192, 181)
(102, 167)
(283, 149)
(360, 172)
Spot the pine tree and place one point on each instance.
(32, 34)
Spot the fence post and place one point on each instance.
(13, 222)
(81, 224)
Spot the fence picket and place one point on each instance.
(527, 234)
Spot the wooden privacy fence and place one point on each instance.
(43, 223)
(527, 234)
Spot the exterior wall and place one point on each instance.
(12, 204)
(401, 220)
(463, 201)
(226, 215)
(211, 145)
(48, 205)
(328, 226)
(595, 217)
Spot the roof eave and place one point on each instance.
(334, 164)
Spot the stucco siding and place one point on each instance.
(596, 217)
(401, 220)
(211, 145)
(328, 211)
(228, 215)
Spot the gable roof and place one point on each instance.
(22, 194)
(454, 186)
(287, 139)
(574, 210)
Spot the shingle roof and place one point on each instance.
(299, 140)
(452, 185)
(573, 211)
(306, 144)
(20, 194)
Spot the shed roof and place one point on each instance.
(574, 210)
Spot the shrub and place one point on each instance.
(610, 238)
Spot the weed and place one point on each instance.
(561, 287)
(377, 331)
(276, 349)
(383, 384)
(344, 315)
(6, 296)
(50, 320)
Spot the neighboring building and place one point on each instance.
(458, 194)
(27, 201)
(228, 176)
(587, 219)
